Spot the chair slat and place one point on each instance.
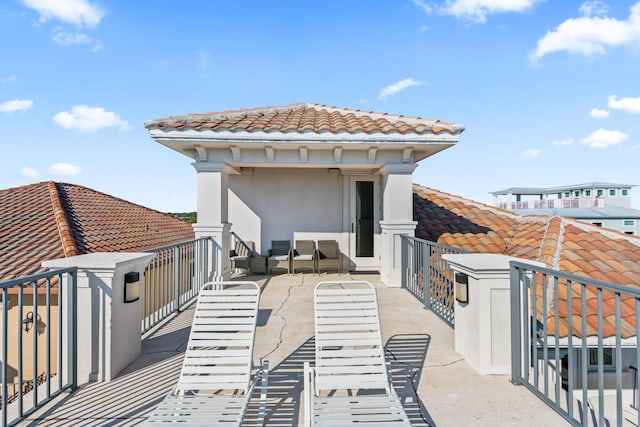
(218, 357)
(350, 356)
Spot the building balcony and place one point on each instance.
(573, 203)
(436, 385)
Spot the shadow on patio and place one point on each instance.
(284, 407)
(426, 370)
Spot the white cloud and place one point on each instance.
(67, 39)
(531, 153)
(594, 8)
(64, 38)
(477, 10)
(394, 88)
(29, 172)
(64, 169)
(603, 138)
(630, 105)
(589, 35)
(16, 105)
(597, 113)
(11, 79)
(76, 12)
(85, 118)
(421, 4)
(563, 142)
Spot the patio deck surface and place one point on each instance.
(437, 387)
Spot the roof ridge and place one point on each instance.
(189, 119)
(117, 198)
(556, 258)
(558, 244)
(69, 247)
(227, 114)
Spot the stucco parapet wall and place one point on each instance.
(397, 168)
(214, 167)
(212, 227)
(398, 225)
(484, 266)
(98, 260)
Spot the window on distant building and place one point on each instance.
(607, 357)
(567, 194)
(612, 192)
(629, 222)
(587, 193)
(630, 233)
(597, 224)
(625, 192)
(600, 193)
(576, 193)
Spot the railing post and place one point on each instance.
(5, 354)
(73, 366)
(403, 257)
(176, 278)
(207, 246)
(516, 327)
(426, 279)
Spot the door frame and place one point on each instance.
(364, 263)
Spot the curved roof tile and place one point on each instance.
(561, 243)
(301, 116)
(52, 220)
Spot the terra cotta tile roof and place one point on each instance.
(561, 243)
(52, 220)
(302, 118)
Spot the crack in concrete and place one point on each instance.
(284, 321)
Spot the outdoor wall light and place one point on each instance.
(462, 288)
(27, 322)
(131, 287)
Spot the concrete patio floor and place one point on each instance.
(437, 387)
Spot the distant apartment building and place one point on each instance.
(603, 204)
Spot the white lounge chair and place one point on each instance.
(350, 383)
(215, 383)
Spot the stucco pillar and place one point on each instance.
(483, 324)
(109, 329)
(397, 219)
(213, 213)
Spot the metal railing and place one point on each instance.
(579, 202)
(174, 276)
(573, 341)
(427, 276)
(39, 325)
(635, 404)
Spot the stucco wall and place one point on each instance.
(14, 327)
(286, 204)
(616, 224)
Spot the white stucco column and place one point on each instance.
(213, 213)
(483, 325)
(109, 336)
(397, 218)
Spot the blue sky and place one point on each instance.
(549, 90)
